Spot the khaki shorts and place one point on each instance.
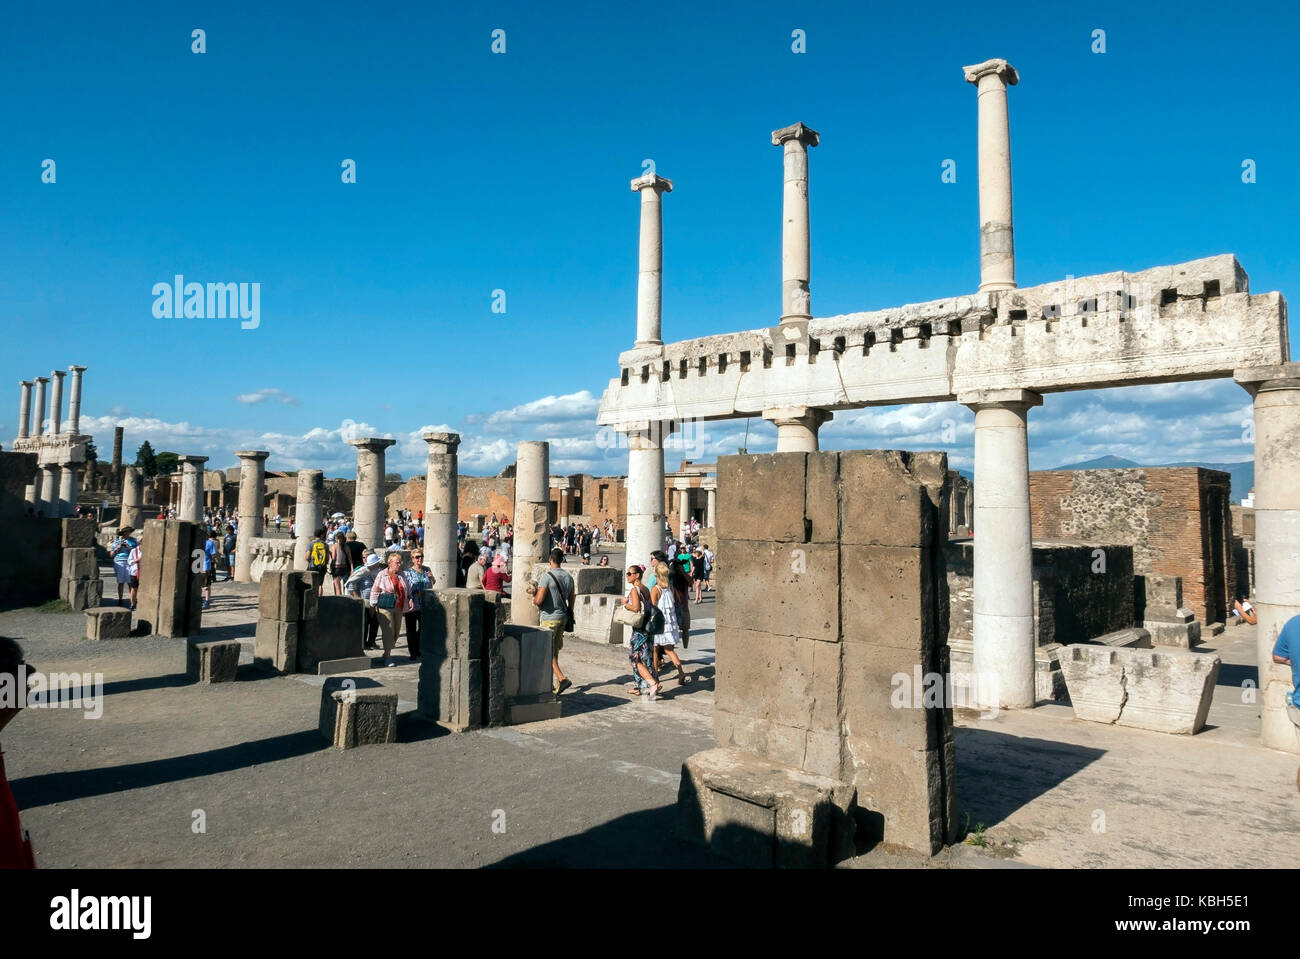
(557, 635)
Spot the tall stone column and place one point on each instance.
(970, 506)
(1003, 622)
(997, 242)
(67, 489)
(1276, 390)
(25, 410)
(368, 505)
(56, 403)
(645, 491)
(252, 494)
(191, 508)
(563, 506)
(38, 428)
(441, 507)
(683, 510)
(532, 531)
(796, 297)
(133, 497)
(115, 479)
(74, 399)
(49, 501)
(307, 514)
(711, 510)
(796, 428)
(649, 282)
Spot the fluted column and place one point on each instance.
(25, 410)
(441, 507)
(307, 514)
(649, 283)
(997, 241)
(74, 399)
(796, 242)
(368, 505)
(252, 494)
(532, 530)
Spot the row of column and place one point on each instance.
(49, 421)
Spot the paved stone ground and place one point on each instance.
(594, 788)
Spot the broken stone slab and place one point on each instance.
(352, 716)
(352, 664)
(215, 662)
(1131, 638)
(1183, 633)
(108, 622)
(593, 618)
(1167, 691)
(763, 814)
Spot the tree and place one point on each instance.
(146, 459)
(392, 477)
(92, 454)
(167, 461)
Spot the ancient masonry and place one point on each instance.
(60, 453)
(999, 350)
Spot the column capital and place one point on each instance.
(192, 460)
(796, 131)
(809, 416)
(59, 373)
(1005, 399)
(450, 442)
(252, 454)
(652, 181)
(371, 442)
(1281, 376)
(76, 369)
(996, 67)
(24, 382)
(41, 379)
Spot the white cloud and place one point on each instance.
(264, 395)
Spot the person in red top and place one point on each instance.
(15, 853)
(496, 578)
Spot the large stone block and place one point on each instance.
(335, 632)
(1180, 634)
(535, 653)
(593, 618)
(790, 589)
(170, 603)
(886, 704)
(596, 579)
(888, 597)
(766, 676)
(454, 623)
(533, 709)
(108, 622)
(763, 814)
(909, 792)
(822, 497)
(78, 533)
(275, 645)
(216, 662)
(284, 595)
(762, 497)
(79, 563)
(82, 594)
(881, 501)
(351, 716)
(1168, 691)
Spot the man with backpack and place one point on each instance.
(318, 555)
(553, 595)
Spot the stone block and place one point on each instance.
(1132, 638)
(761, 497)
(888, 597)
(822, 497)
(593, 618)
(78, 533)
(351, 664)
(282, 595)
(1049, 681)
(533, 709)
(357, 717)
(908, 790)
(108, 622)
(275, 645)
(453, 623)
(335, 632)
(216, 662)
(881, 502)
(1164, 596)
(763, 814)
(169, 598)
(82, 594)
(535, 653)
(79, 563)
(1166, 690)
(596, 579)
(886, 707)
(765, 676)
(790, 589)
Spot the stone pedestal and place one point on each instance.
(440, 508)
(216, 662)
(352, 716)
(1276, 390)
(191, 508)
(997, 245)
(1003, 613)
(252, 496)
(532, 531)
(169, 599)
(108, 622)
(368, 508)
(307, 515)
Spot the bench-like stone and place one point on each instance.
(108, 622)
(593, 617)
(357, 717)
(215, 662)
(763, 814)
(1165, 690)
(350, 664)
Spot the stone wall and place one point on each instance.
(1176, 519)
(16, 472)
(29, 576)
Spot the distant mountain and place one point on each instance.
(1243, 474)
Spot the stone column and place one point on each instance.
(368, 506)
(56, 403)
(49, 501)
(252, 494)
(41, 413)
(563, 506)
(970, 506)
(711, 510)
(532, 533)
(1276, 390)
(307, 514)
(133, 497)
(1003, 621)
(74, 399)
(796, 299)
(997, 243)
(25, 410)
(441, 507)
(67, 489)
(645, 491)
(683, 510)
(191, 507)
(796, 428)
(115, 479)
(649, 282)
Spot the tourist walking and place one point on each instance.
(418, 578)
(209, 567)
(553, 595)
(340, 564)
(670, 595)
(359, 584)
(228, 547)
(391, 598)
(639, 651)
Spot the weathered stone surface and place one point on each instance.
(762, 814)
(78, 533)
(821, 506)
(1167, 691)
(281, 596)
(593, 618)
(108, 622)
(765, 498)
(275, 645)
(351, 717)
(790, 589)
(1182, 635)
(884, 588)
(454, 622)
(170, 602)
(533, 709)
(881, 502)
(79, 563)
(81, 593)
(335, 632)
(351, 664)
(535, 653)
(216, 662)
(595, 579)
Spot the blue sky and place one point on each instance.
(479, 172)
